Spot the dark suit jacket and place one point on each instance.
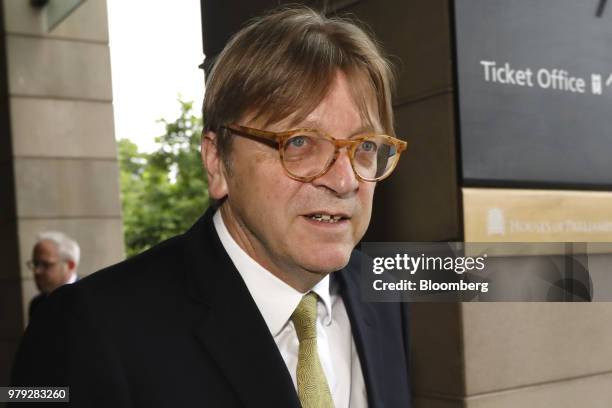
(35, 303)
(177, 327)
(38, 302)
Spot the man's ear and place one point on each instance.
(71, 265)
(213, 165)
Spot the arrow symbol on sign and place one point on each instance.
(609, 80)
(600, 8)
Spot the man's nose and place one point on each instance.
(340, 177)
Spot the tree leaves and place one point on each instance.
(163, 192)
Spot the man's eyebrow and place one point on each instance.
(316, 125)
(308, 124)
(363, 130)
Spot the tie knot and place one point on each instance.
(304, 317)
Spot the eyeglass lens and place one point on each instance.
(308, 154)
(40, 264)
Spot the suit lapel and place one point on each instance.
(365, 326)
(232, 330)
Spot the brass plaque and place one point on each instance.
(513, 215)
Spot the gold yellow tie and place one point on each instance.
(313, 389)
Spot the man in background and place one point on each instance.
(55, 258)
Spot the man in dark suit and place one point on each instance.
(55, 259)
(258, 304)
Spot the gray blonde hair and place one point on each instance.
(67, 248)
(283, 64)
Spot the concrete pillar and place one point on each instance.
(421, 201)
(58, 159)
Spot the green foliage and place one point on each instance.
(165, 191)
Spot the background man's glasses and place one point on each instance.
(32, 265)
(309, 153)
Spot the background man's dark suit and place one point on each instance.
(35, 303)
(177, 327)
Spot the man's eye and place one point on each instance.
(368, 146)
(298, 141)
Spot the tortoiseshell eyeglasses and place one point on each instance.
(309, 153)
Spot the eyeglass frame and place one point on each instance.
(278, 139)
(32, 265)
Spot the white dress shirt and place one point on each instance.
(276, 302)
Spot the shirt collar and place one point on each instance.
(275, 299)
